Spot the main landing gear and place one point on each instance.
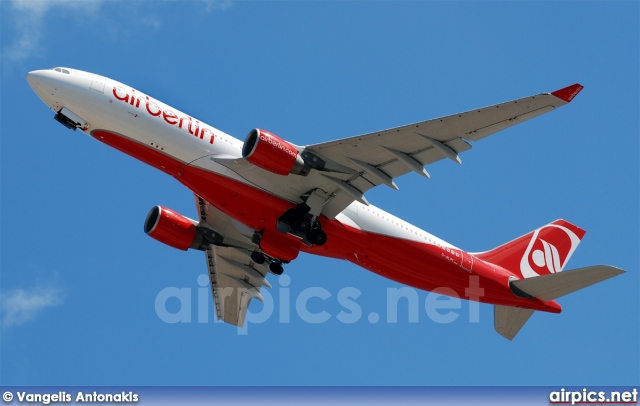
(275, 265)
(276, 268)
(300, 223)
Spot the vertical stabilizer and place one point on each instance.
(541, 252)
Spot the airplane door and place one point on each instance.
(97, 83)
(467, 261)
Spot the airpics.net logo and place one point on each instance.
(316, 305)
(586, 396)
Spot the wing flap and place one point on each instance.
(244, 272)
(233, 300)
(425, 156)
(235, 279)
(390, 165)
(233, 285)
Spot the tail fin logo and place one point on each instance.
(549, 257)
(548, 251)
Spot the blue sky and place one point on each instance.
(80, 280)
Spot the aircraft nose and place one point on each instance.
(38, 80)
(44, 86)
(32, 78)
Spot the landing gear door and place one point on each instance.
(97, 83)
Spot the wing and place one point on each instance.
(343, 170)
(235, 279)
(379, 157)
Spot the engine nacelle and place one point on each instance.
(272, 153)
(173, 229)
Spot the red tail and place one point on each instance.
(543, 251)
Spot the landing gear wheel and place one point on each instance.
(257, 257)
(302, 225)
(318, 238)
(276, 268)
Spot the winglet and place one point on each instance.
(568, 93)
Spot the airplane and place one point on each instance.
(263, 201)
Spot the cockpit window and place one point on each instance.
(62, 70)
(58, 70)
(65, 71)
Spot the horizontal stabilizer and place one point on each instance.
(553, 286)
(509, 320)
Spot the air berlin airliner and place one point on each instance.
(262, 201)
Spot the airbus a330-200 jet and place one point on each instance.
(262, 201)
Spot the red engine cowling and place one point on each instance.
(171, 228)
(278, 245)
(272, 153)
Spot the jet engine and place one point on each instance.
(173, 229)
(272, 153)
